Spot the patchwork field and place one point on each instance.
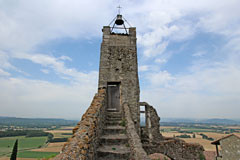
(6, 144)
(59, 133)
(211, 133)
(52, 147)
(34, 148)
(37, 155)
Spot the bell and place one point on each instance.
(119, 20)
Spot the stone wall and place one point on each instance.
(154, 142)
(137, 151)
(175, 149)
(83, 144)
(151, 130)
(118, 63)
(230, 148)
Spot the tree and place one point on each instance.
(194, 136)
(14, 151)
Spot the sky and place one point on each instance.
(188, 55)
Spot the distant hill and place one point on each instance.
(220, 121)
(203, 121)
(35, 122)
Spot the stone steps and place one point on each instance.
(114, 116)
(113, 113)
(114, 130)
(113, 144)
(115, 122)
(114, 139)
(111, 110)
(113, 152)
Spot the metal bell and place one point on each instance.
(119, 20)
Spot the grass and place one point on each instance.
(32, 154)
(7, 143)
(123, 123)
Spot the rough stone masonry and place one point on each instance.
(110, 128)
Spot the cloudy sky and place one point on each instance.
(188, 53)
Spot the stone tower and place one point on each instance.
(110, 128)
(118, 71)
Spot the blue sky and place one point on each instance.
(188, 55)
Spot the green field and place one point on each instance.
(6, 144)
(197, 130)
(61, 135)
(32, 154)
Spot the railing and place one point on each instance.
(137, 151)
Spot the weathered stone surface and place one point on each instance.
(87, 132)
(175, 149)
(158, 156)
(230, 148)
(118, 63)
(113, 143)
(138, 152)
(151, 130)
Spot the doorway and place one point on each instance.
(113, 96)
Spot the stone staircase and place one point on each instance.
(114, 142)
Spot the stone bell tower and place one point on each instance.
(118, 71)
(110, 127)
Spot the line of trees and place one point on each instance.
(206, 137)
(26, 133)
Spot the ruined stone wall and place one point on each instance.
(175, 149)
(83, 144)
(154, 142)
(230, 148)
(137, 150)
(151, 130)
(118, 63)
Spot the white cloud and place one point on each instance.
(4, 73)
(58, 66)
(160, 22)
(25, 24)
(45, 71)
(4, 61)
(204, 92)
(65, 58)
(162, 78)
(34, 98)
(160, 61)
(199, 54)
(143, 68)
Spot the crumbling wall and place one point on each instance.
(137, 151)
(151, 131)
(154, 142)
(83, 144)
(175, 149)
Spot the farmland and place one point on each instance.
(30, 145)
(203, 134)
(7, 143)
(34, 147)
